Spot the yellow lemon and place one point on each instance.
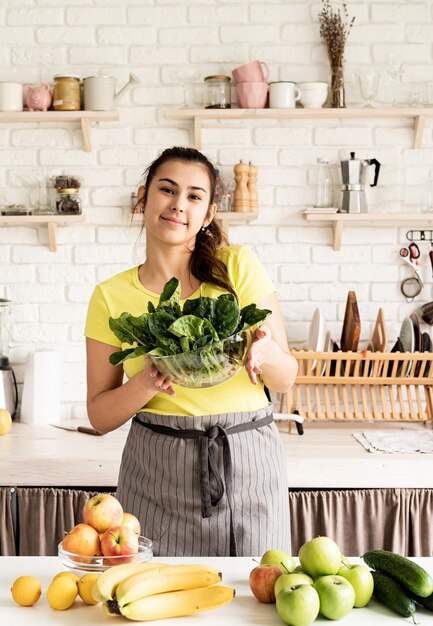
(70, 575)
(85, 586)
(26, 590)
(61, 593)
(5, 422)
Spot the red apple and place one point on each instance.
(119, 541)
(262, 581)
(132, 522)
(102, 512)
(83, 540)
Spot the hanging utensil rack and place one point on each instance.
(419, 235)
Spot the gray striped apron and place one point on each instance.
(208, 485)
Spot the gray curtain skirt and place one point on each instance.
(160, 483)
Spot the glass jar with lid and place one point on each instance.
(217, 92)
(66, 95)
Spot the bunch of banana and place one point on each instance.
(161, 591)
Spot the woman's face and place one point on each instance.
(177, 204)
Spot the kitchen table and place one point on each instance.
(244, 609)
(327, 456)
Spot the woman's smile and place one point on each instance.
(174, 221)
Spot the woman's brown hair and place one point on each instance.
(204, 263)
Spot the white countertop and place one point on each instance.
(244, 609)
(326, 456)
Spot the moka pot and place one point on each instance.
(353, 172)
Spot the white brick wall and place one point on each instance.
(153, 39)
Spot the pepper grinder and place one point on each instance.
(241, 196)
(252, 189)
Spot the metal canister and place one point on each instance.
(66, 92)
(217, 92)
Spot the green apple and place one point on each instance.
(320, 557)
(278, 557)
(299, 569)
(337, 596)
(345, 560)
(288, 580)
(361, 580)
(298, 605)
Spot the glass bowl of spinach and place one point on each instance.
(201, 344)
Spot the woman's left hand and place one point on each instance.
(258, 353)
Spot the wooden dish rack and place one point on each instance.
(362, 386)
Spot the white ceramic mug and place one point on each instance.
(313, 94)
(11, 96)
(283, 95)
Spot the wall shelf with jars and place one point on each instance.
(418, 115)
(85, 118)
(51, 222)
(341, 220)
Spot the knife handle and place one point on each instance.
(88, 430)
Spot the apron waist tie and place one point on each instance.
(211, 481)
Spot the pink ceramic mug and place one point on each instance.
(252, 95)
(254, 72)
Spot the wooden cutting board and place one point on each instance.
(351, 325)
(379, 338)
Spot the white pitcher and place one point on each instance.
(100, 92)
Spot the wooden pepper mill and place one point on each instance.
(252, 188)
(241, 200)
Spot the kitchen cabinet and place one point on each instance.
(50, 221)
(84, 118)
(341, 220)
(244, 610)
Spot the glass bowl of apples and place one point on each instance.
(99, 563)
(109, 536)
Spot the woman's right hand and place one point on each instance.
(155, 380)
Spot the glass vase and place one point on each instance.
(336, 90)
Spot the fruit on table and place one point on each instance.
(280, 558)
(85, 586)
(71, 575)
(409, 574)
(288, 580)
(361, 580)
(5, 422)
(83, 540)
(336, 595)
(61, 593)
(105, 586)
(298, 605)
(262, 582)
(103, 511)
(118, 541)
(165, 579)
(178, 603)
(132, 522)
(393, 595)
(26, 590)
(320, 556)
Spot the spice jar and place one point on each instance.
(217, 92)
(66, 92)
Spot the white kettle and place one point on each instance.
(100, 92)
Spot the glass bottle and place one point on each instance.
(322, 184)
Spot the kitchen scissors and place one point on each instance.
(412, 286)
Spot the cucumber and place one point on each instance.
(425, 602)
(413, 577)
(390, 593)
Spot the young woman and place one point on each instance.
(202, 469)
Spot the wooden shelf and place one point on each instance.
(419, 116)
(51, 221)
(339, 220)
(85, 118)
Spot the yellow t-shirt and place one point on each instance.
(124, 292)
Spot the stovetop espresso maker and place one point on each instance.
(353, 172)
(8, 383)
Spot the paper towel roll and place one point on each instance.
(42, 388)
